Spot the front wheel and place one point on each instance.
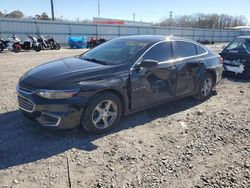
(205, 87)
(102, 114)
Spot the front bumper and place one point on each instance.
(60, 114)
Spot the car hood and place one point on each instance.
(63, 71)
(62, 68)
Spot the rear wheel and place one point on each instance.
(57, 46)
(102, 114)
(37, 48)
(206, 87)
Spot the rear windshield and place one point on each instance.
(247, 45)
(236, 44)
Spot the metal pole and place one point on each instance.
(98, 8)
(52, 10)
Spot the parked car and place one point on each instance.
(237, 57)
(117, 78)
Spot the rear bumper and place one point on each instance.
(218, 70)
(59, 114)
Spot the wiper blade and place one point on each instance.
(95, 61)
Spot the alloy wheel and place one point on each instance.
(104, 114)
(207, 86)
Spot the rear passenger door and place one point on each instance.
(187, 65)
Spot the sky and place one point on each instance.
(145, 10)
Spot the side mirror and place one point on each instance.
(148, 63)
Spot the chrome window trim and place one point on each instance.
(172, 60)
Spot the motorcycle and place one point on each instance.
(31, 43)
(95, 42)
(3, 44)
(16, 46)
(48, 42)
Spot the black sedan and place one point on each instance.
(95, 89)
(237, 57)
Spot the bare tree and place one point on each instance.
(209, 21)
(1, 15)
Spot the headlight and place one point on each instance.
(57, 94)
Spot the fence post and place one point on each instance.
(70, 32)
(37, 28)
(193, 34)
(213, 36)
(119, 30)
(96, 31)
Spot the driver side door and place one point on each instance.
(153, 85)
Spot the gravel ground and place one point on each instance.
(180, 144)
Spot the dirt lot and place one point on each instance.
(180, 144)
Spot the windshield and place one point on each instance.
(115, 52)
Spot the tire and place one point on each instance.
(37, 48)
(111, 108)
(57, 46)
(1, 48)
(206, 86)
(16, 48)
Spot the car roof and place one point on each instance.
(243, 37)
(154, 38)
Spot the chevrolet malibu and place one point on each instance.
(128, 74)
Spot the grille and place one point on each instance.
(25, 90)
(25, 104)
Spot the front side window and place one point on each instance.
(115, 52)
(236, 44)
(184, 49)
(160, 52)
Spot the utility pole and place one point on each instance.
(134, 17)
(52, 10)
(98, 8)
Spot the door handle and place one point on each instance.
(172, 68)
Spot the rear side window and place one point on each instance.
(200, 50)
(184, 49)
(160, 52)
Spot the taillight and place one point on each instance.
(221, 60)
